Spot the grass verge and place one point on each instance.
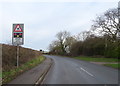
(0, 74)
(113, 62)
(97, 59)
(117, 66)
(7, 76)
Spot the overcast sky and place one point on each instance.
(44, 19)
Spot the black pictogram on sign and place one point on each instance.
(17, 35)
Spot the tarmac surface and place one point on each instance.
(72, 71)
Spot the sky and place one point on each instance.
(43, 19)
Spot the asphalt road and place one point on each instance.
(71, 71)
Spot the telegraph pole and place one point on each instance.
(118, 40)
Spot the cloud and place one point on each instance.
(44, 19)
(59, 0)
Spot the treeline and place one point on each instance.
(102, 40)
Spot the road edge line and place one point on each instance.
(39, 81)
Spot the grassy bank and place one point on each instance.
(7, 76)
(9, 53)
(97, 59)
(111, 62)
(0, 74)
(113, 65)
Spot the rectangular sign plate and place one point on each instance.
(18, 34)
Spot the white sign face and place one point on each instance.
(18, 35)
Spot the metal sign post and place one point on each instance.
(17, 56)
(18, 38)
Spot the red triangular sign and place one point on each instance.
(18, 28)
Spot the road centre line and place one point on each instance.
(86, 71)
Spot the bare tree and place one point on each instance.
(53, 45)
(108, 23)
(83, 35)
(62, 36)
(69, 42)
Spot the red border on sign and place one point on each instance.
(16, 27)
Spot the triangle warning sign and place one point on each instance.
(18, 28)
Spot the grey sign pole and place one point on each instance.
(17, 56)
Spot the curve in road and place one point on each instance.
(71, 71)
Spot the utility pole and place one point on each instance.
(118, 40)
(119, 20)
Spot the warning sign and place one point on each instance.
(18, 37)
(18, 28)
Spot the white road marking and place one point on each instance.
(38, 80)
(86, 71)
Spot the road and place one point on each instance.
(71, 71)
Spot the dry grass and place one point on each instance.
(9, 56)
(8, 76)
